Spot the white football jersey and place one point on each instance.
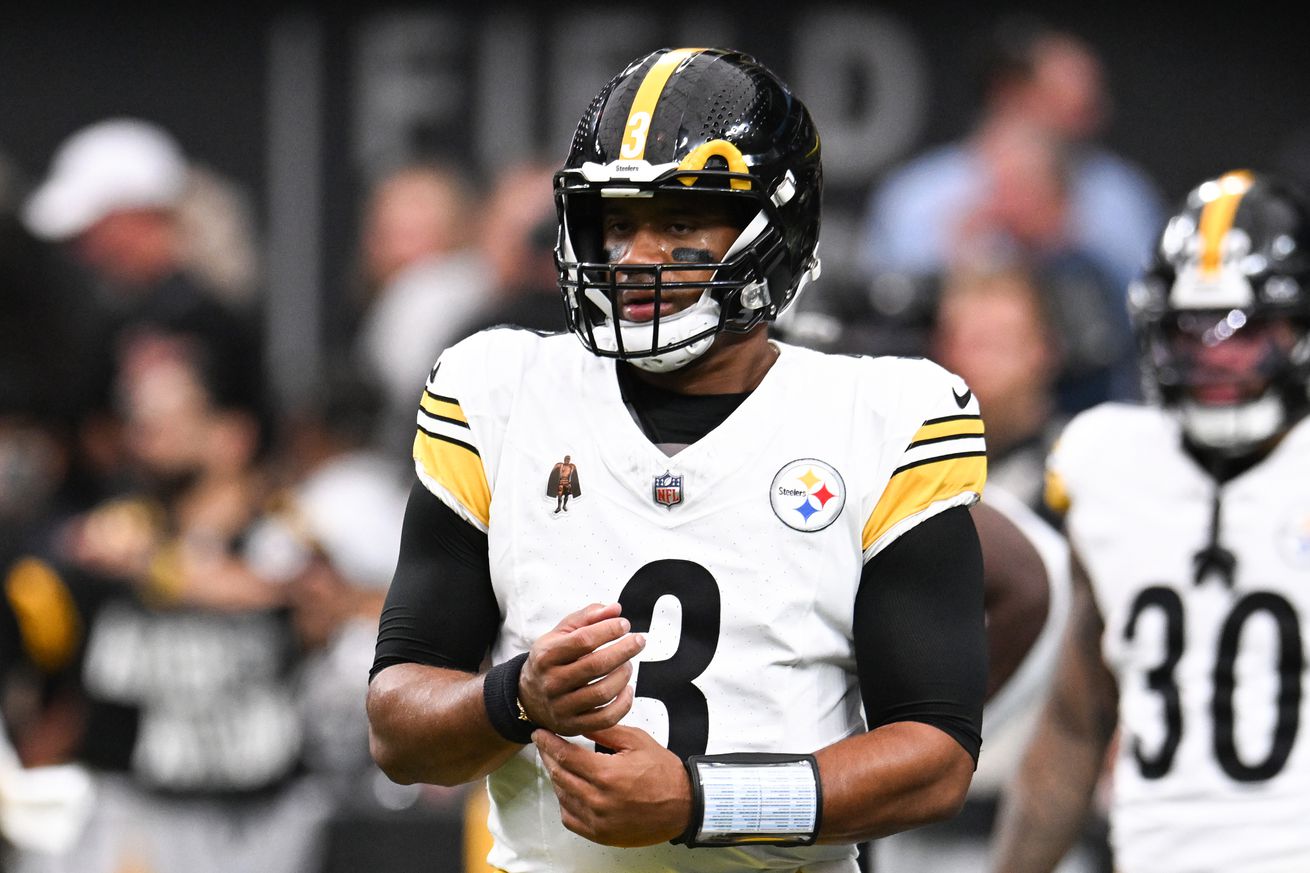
(739, 556)
(1213, 764)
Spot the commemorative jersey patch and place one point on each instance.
(807, 494)
(563, 483)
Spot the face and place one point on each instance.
(683, 230)
(1228, 357)
(992, 335)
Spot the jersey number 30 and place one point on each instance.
(1162, 681)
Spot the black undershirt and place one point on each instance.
(669, 418)
(920, 648)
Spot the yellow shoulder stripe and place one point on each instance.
(458, 468)
(442, 407)
(914, 488)
(955, 425)
(47, 616)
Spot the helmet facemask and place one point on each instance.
(734, 289)
(1237, 379)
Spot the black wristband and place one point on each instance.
(500, 695)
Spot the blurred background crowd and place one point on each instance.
(222, 293)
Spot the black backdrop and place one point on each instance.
(302, 104)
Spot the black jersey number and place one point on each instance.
(671, 681)
(1162, 680)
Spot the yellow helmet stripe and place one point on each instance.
(1217, 217)
(643, 105)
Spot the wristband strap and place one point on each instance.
(750, 799)
(500, 695)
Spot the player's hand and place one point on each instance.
(638, 796)
(569, 684)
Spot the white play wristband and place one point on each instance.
(753, 799)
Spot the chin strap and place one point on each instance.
(1214, 558)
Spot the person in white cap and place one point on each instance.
(114, 195)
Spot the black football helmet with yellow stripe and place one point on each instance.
(1223, 312)
(707, 122)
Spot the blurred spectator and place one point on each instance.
(116, 194)
(330, 537)
(1023, 216)
(1018, 544)
(183, 657)
(1047, 80)
(518, 241)
(218, 236)
(424, 279)
(44, 328)
(992, 328)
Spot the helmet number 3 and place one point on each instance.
(634, 137)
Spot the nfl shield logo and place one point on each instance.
(667, 490)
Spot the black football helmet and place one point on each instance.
(690, 121)
(1223, 310)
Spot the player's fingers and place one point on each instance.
(590, 638)
(620, 737)
(606, 716)
(594, 694)
(602, 662)
(565, 762)
(556, 649)
(589, 614)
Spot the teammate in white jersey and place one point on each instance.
(754, 635)
(1190, 525)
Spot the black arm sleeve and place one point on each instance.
(920, 635)
(441, 609)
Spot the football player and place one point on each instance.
(1191, 539)
(756, 638)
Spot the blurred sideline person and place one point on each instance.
(518, 241)
(1026, 580)
(1186, 642)
(765, 536)
(173, 659)
(115, 201)
(993, 329)
(424, 278)
(1035, 82)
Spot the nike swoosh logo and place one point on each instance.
(962, 400)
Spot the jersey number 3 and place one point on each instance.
(671, 681)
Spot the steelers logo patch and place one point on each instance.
(807, 495)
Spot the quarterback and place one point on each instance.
(756, 638)
(1190, 526)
